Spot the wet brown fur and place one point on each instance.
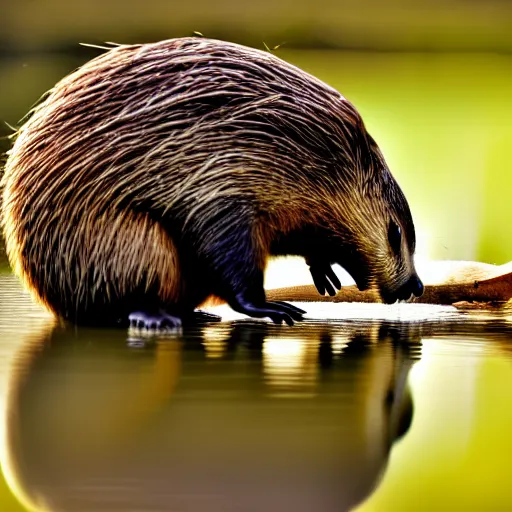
(158, 175)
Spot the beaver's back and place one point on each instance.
(151, 137)
(147, 123)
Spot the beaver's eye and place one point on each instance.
(395, 236)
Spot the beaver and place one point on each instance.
(158, 175)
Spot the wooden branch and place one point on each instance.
(466, 285)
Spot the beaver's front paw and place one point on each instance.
(324, 277)
(277, 311)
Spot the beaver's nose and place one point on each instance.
(416, 286)
(412, 287)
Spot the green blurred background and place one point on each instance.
(433, 81)
(431, 78)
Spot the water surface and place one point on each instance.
(403, 407)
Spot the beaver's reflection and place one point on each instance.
(228, 417)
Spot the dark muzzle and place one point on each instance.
(411, 288)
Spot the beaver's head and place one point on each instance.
(370, 231)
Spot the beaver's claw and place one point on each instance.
(153, 321)
(201, 317)
(324, 278)
(277, 311)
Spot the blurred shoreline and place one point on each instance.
(431, 80)
(370, 25)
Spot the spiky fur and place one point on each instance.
(164, 173)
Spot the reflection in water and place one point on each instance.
(214, 339)
(290, 367)
(239, 415)
(92, 423)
